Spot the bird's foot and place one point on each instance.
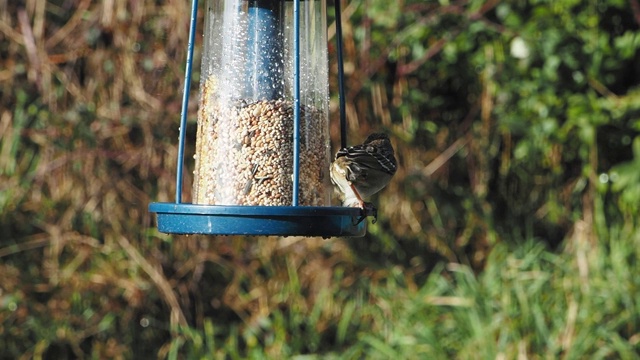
(366, 210)
(370, 208)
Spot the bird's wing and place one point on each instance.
(363, 158)
(354, 170)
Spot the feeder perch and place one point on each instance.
(262, 143)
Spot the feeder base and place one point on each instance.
(321, 221)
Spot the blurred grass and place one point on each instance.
(492, 242)
(529, 302)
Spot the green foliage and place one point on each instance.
(541, 91)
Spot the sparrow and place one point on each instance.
(362, 170)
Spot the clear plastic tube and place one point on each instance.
(244, 145)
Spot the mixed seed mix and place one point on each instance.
(244, 153)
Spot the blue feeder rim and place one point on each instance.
(324, 221)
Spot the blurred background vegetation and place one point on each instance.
(511, 229)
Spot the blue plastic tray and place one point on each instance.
(322, 221)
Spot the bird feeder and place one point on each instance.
(262, 143)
